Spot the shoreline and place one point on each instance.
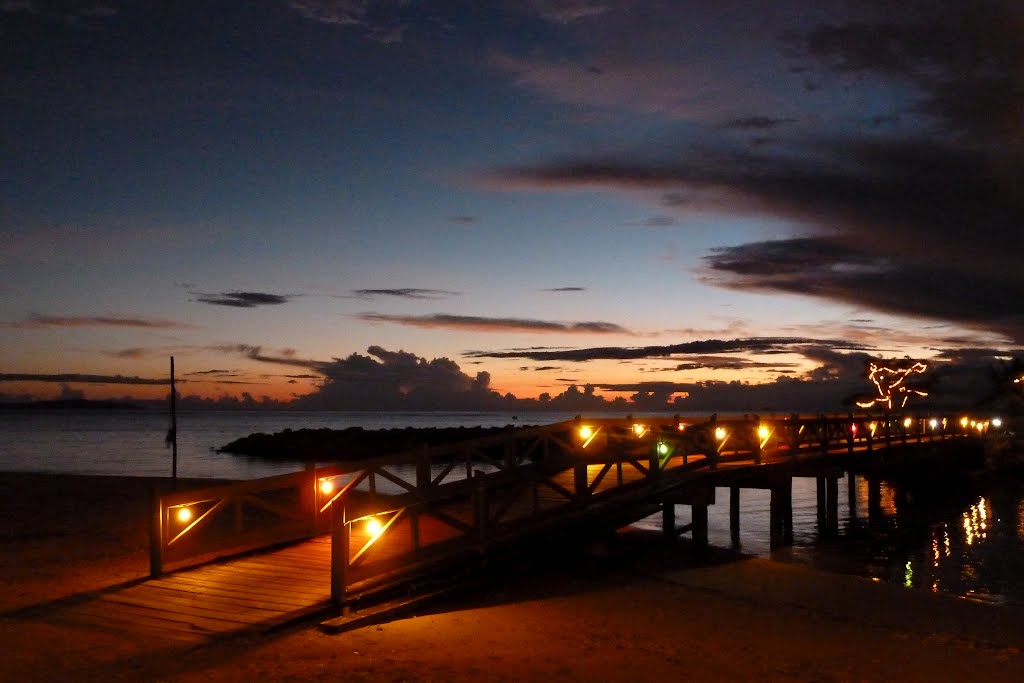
(637, 609)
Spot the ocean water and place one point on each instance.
(967, 542)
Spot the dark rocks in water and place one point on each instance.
(353, 443)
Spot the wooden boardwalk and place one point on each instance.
(543, 487)
(252, 593)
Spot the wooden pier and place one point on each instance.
(257, 554)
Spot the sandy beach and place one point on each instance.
(637, 610)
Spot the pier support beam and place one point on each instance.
(828, 506)
(341, 540)
(668, 520)
(734, 515)
(781, 514)
(874, 500)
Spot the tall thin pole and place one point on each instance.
(173, 435)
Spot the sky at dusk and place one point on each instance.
(403, 203)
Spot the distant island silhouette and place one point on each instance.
(76, 404)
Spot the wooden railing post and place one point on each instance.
(580, 481)
(481, 505)
(755, 434)
(156, 535)
(308, 495)
(341, 539)
(851, 435)
(423, 477)
(653, 465)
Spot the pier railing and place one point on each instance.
(393, 515)
(199, 524)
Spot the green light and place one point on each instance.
(663, 448)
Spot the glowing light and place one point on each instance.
(663, 448)
(184, 514)
(763, 432)
(373, 526)
(853, 429)
(720, 433)
(907, 422)
(326, 486)
(963, 421)
(933, 423)
(588, 434)
(890, 383)
(681, 426)
(872, 426)
(997, 422)
(639, 429)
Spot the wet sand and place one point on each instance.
(638, 609)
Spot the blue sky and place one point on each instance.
(284, 195)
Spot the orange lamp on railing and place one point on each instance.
(373, 526)
(589, 434)
(183, 514)
(327, 486)
(639, 429)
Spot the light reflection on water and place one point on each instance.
(966, 541)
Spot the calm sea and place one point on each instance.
(967, 542)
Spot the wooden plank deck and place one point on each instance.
(245, 594)
(262, 590)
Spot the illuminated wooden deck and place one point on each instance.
(306, 545)
(251, 593)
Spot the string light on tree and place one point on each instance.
(891, 384)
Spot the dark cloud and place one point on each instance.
(464, 220)
(758, 123)
(965, 58)
(67, 378)
(921, 200)
(396, 379)
(762, 345)
(482, 324)
(727, 363)
(38, 322)
(128, 354)
(565, 289)
(827, 268)
(381, 21)
(658, 221)
(243, 299)
(568, 11)
(75, 15)
(404, 293)
(285, 357)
